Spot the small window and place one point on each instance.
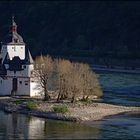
(15, 40)
(32, 72)
(20, 82)
(14, 48)
(26, 83)
(24, 67)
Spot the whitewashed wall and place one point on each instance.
(6, 86)
(27, 70)
(13, 50)
(16, 50)
(23, 86)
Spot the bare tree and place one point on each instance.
(83, 82)
(43, 71)
(63, 72)
(73, 82)
(91, 85)
(70, 80)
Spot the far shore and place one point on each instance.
(78, 112)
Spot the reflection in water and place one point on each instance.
(17, 126)
(14, 123)
(59, 129)
(11, 125)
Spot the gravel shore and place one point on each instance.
(77, 112)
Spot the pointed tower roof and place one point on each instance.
(13, 37)
(16, 38)
(29, 58)
(6, 59)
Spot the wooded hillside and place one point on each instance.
(92, 28)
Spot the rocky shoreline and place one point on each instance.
(78, 112)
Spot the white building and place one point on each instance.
(16, 67)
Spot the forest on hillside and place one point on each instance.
(109, 29)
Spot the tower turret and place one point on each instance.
(13, 44)
(15, 38)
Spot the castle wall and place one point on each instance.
(18, 82)
(23, 86)
(5, 86)
(24, 73)
(27, 70)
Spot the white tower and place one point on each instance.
(16, 46)
(17, 66)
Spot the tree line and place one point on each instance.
(71, 80)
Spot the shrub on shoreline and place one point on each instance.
(31, 105)
(17, 102)
(86, 101)
(60, 109)
(20, 101)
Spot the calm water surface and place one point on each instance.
(118, 89)
(17, 126)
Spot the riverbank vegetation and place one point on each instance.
(31, 105)
(60, 109)
(69, 80)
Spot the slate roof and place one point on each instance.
(16, 63)
(28, 58)
(2, 70)
(9, 39)
(6, 59)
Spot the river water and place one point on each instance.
(118, 89)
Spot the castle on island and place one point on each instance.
(16, 67)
